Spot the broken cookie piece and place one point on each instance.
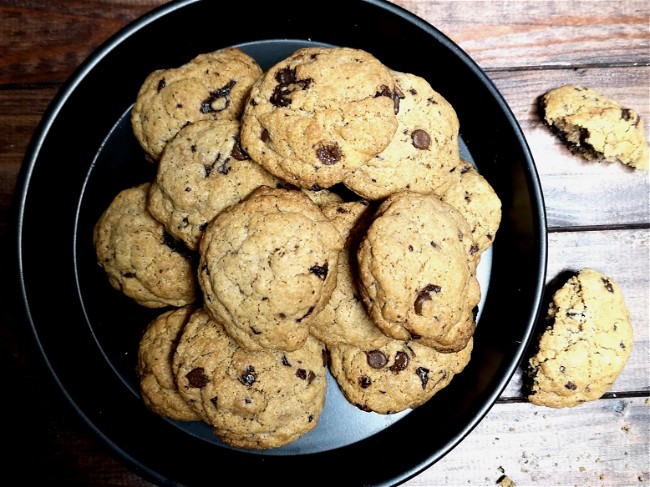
(595, 126)
(585, 345)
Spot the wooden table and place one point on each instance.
(598, 216)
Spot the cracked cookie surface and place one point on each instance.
(138, 255)
(417, 268)
(586, 344)
(424, 150)
(154, 365)
(596, 126)
(252, 399)
(202, 171)
(267, 266)
(211, 86)
(318, 114)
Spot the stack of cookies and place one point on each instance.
(313, 217)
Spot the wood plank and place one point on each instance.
(529, 444)
(58, 35)
(577, 250)
(519, 34)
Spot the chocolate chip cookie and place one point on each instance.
(472, 195)
(585, 345)
(424, 150)
(319, 114)
(268, 266)
(395, 376)
(252, 399)
(211, 86)
(154, 367)
(344, 318)
(202, 170)
(417, 268)
(596, 126)
(139, 257)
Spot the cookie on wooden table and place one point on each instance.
(202, 170)
(267, 267)
(585, 345)
(138, 255)
(395, 376)
(417, 268)
(597, 127)
(154, 366)
(319, 114)
(424, 150)
(211, 86)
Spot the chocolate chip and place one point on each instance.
(207, 105)
(424, 295)
(266, 137)
(285, 361)
(161, 84)
(238, 152)
(608, 285)
(420, 139)
(571, 386)
(197, 377)
(320, 271)
(129, 275)
(213, 401)
(376, 359)
(401, 362)
(473, 249)
(423, 374)
(287, 84)
(249, 376)
(329, 154)
(301, 374)
(364, 382)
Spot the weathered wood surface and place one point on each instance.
(598, 216)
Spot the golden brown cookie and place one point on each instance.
(344, 318)
(253, 399)
(318, 114)
(417, 268)
(211, 86)
(472, 195)
(139, 257)
(596, 126)
(268, 266)
(395, 376)
(154, 367)
(424, 150)
(586, 344)
(202, 171)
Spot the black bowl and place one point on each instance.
(83, 153)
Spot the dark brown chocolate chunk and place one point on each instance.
(571, 386)
(376, 359)
(248, 377)
(425, 295)
(329, 154)
(222, 94)
(197, 377)
(287, 84)
(161, 84)
(608, 285)
(266, 137)
(421, 139)
(401, 362)
(364, 382)
(238, 152)
(320, 271)
(285, 361)
(423, 374)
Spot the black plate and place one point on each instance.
(83, 153)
